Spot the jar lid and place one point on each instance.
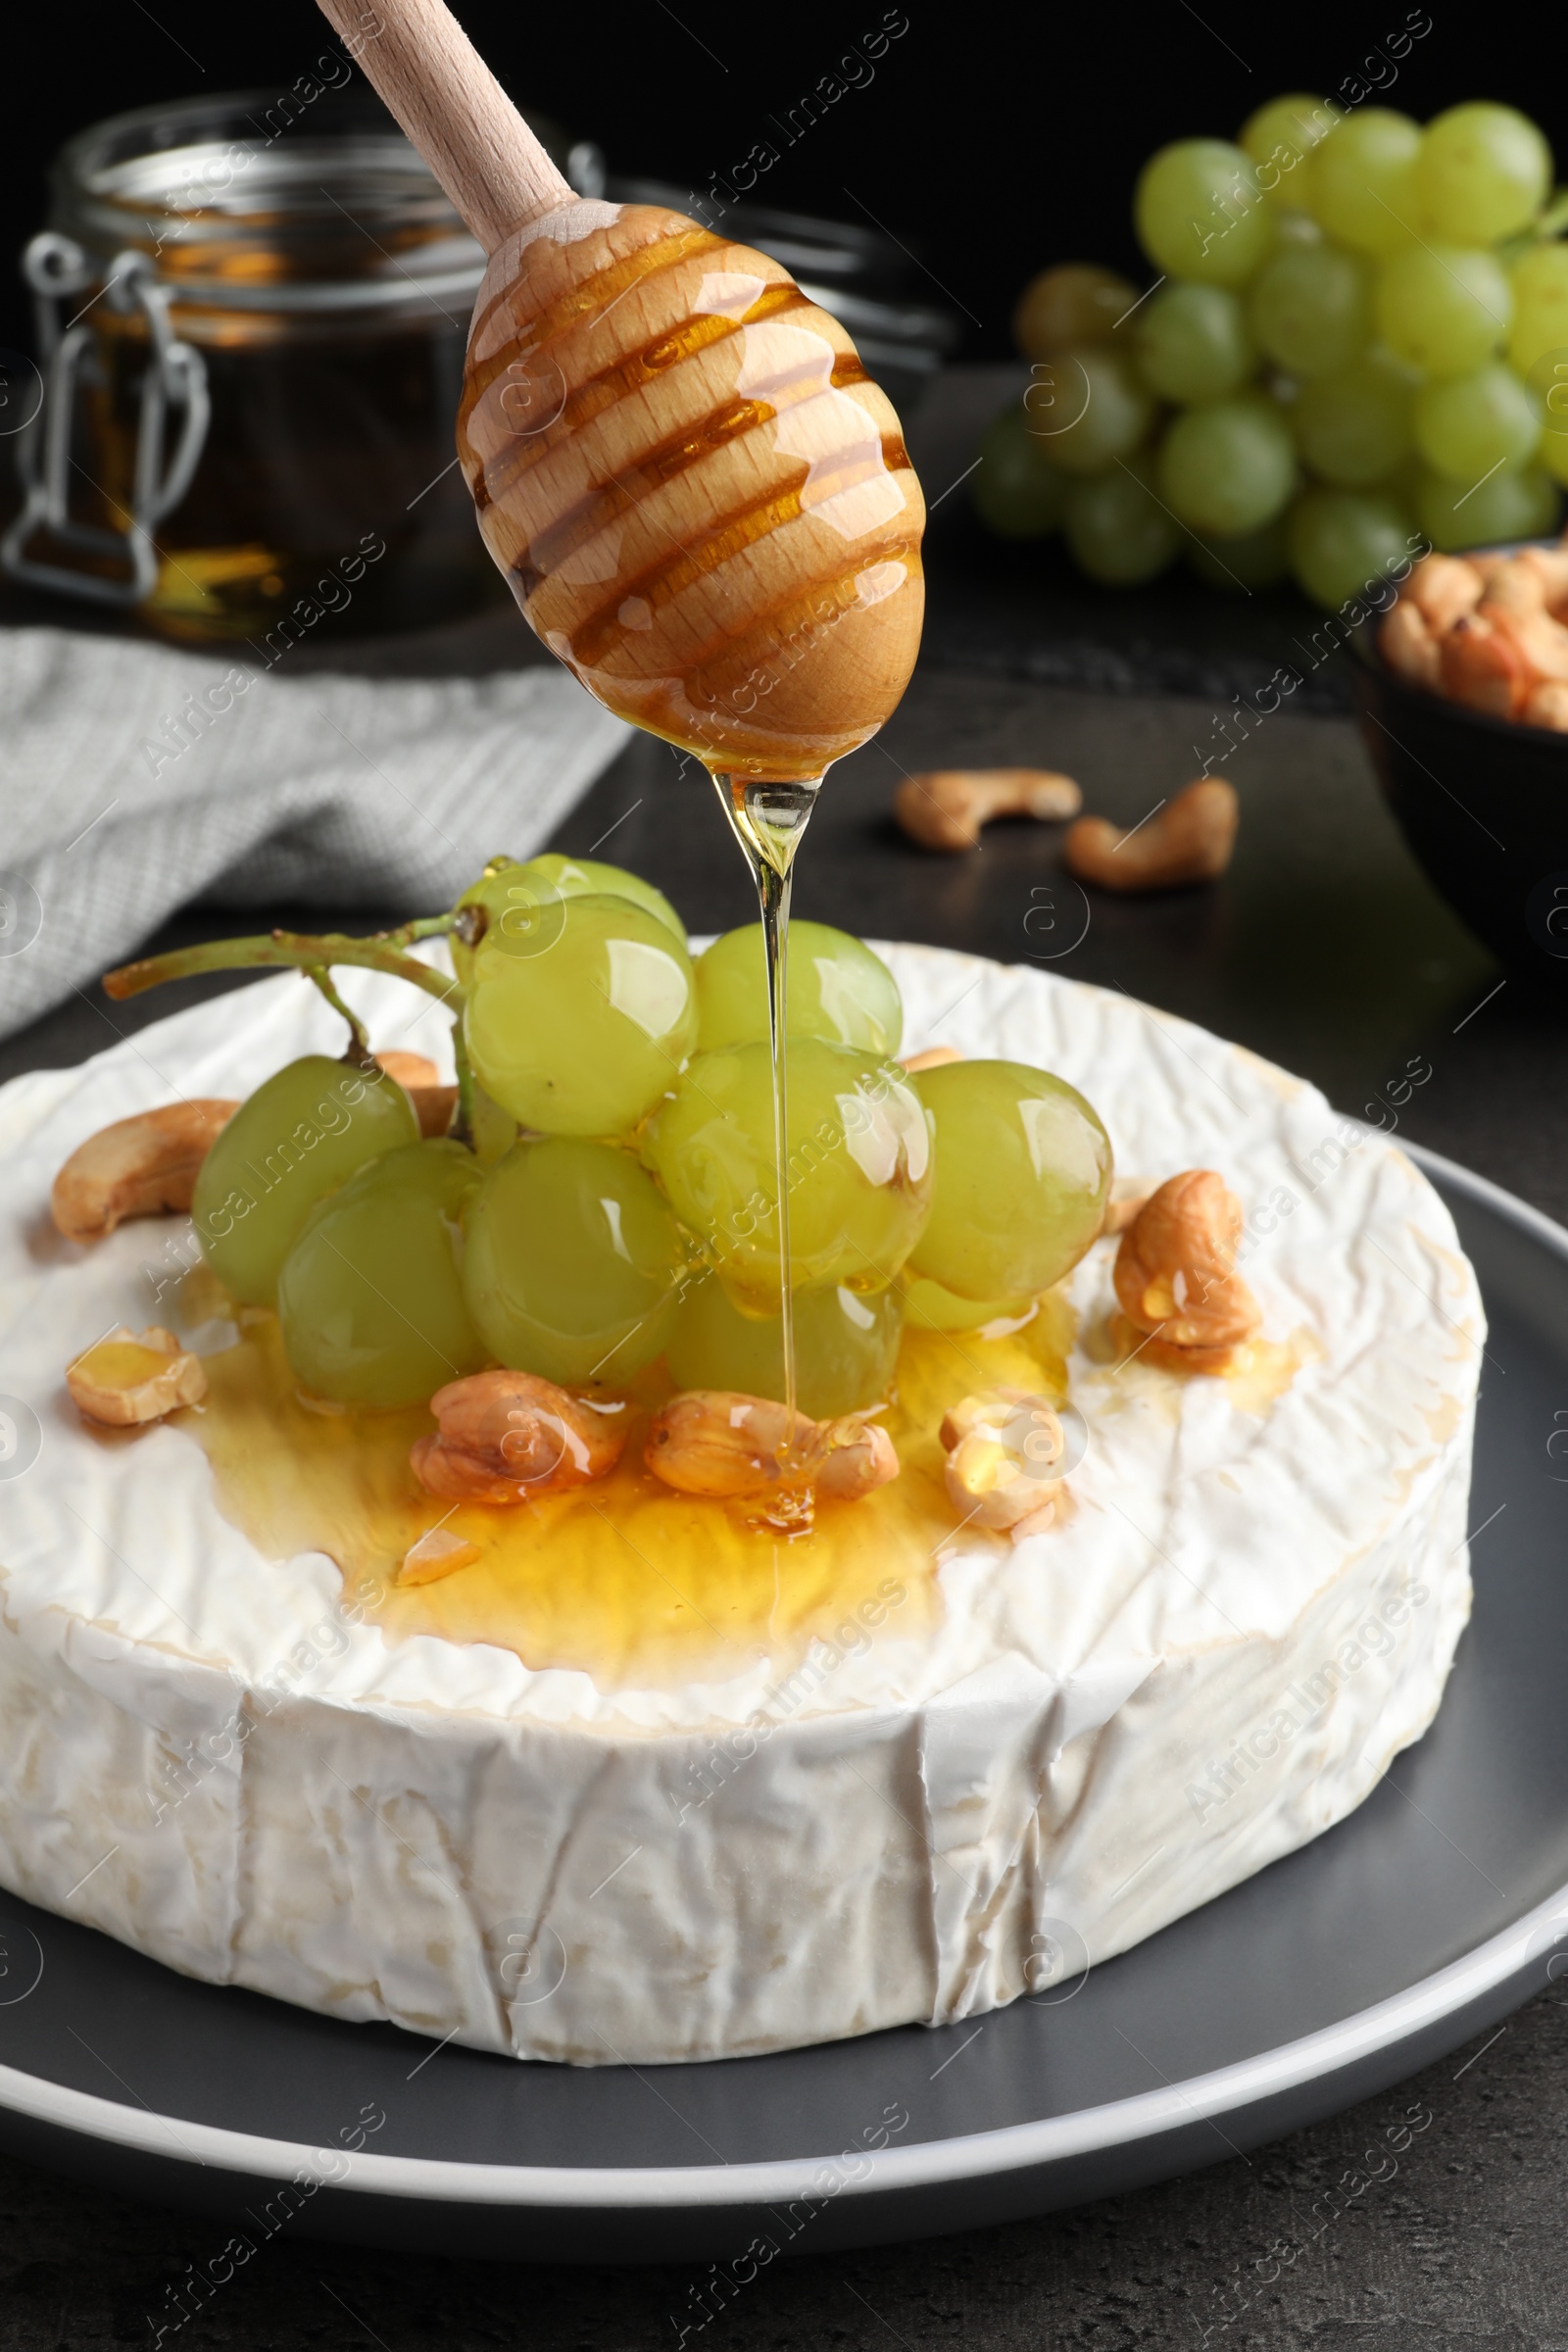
(305, 201)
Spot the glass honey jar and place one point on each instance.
(252, 315)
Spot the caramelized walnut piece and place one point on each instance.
(144, 1166)
(732, 1448)
(135, 1376)
(1005, 1452)
(945, 809)
(1175, 1273)
(505, 1436)
(1190, 840)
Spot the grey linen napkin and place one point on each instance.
(134, 779)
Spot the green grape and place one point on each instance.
(1360, 182)
(370, 1298)
(1230, 467)
(1468, 425)
(1017, 492)
(1280, 136)
(1540, 311)
(523, 901)
(573, 1262)
(836, 990)
(858, 1166)
(1074, 304)
(1023, 1170)
(1116, 527)
(1552, 457)
(1444, 309)
(1342, 542)
(1200, 212)
(1250, 559)
(1088, 409)
(299, 1137)
(1193, 343)
(1518, 502)
(1483, 171)
(927, 1306)
(846, 1347)
(579, 1033)
(1312, 307)
(495, 1130)
(1354, 428)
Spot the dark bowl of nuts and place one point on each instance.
(1463, 704)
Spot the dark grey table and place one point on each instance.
(1324, 949)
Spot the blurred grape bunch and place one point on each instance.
(1356, 342)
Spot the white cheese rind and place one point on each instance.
(1244, 1618)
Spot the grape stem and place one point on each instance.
(358, 1038)
(461, 1128)
(299, 950)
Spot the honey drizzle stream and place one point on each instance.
(768, 821)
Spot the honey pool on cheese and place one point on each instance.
(744, 1793)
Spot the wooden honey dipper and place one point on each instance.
(702, 503)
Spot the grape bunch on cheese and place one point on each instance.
(1356, 342)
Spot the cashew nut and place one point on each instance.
(436, 1555)
(419, 1079)
(505, 1436)
(1175, 1274)
(1409, 648)
(1189, 839)
(733, 1448)
(135, 1376)
(935, 1058)
(1547, 707)
(1441, 588)
(1127, 1197)
(1004, 1470)
(946, 808)
(1486, 631)
(139, 1167)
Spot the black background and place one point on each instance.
(996, 139)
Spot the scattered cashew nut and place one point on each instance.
(436, 1555)
(503, 1436)
(1176, 1277)
(1127, 1197)
(1189, 839)
(732, 1448)
(946, 808)
(135, 1376)
(935, 1058)
(1006, 1450)
(139, 1167)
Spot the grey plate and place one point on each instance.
(1438, 1907)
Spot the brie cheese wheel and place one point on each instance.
(954, 1797)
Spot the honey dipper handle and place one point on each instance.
(421, 62)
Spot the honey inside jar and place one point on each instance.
(313, 284)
